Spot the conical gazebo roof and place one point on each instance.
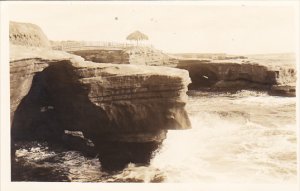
(137, 35)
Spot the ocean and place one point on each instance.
(245, 137)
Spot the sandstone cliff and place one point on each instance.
(128, 94)
(114, 56)
(242, 74)
(214, 72)
(125, 110)
(125, 55)
(27, 34)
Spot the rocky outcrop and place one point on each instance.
(286, 89)
(228, 75)
(149, 56)
(139, 92)
(125, 55)
(125, 110)
(111, 104)
(27, 34)
(212, 72)
(115, 56)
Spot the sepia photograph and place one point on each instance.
(150, 92)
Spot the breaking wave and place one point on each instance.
(247, 137)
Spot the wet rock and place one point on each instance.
(284, 90)
(118, 156)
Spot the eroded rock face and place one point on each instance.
(104, 56)
(129, 96)
(126, 55)
(123, 109)
(217, 72)
(235, 76)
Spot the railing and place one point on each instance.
(73, 45)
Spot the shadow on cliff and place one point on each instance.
(55, 102)
(229, 77)
(58, 101)
(200, 76)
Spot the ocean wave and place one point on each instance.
(243, 138)
(233, 140)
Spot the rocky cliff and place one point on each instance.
(125, 110)
(126, 55)
(114, 56)
(139, 91)
(243, 74)
(27, 34)
(214, 72)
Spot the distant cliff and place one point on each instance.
(275, 73)
(231, 75)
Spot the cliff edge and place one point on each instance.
(125, 110)
(232, 75)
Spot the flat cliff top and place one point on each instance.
(271, 61)
(18, 52)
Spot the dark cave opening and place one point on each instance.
(58, 101)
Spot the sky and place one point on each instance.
(198, 28)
